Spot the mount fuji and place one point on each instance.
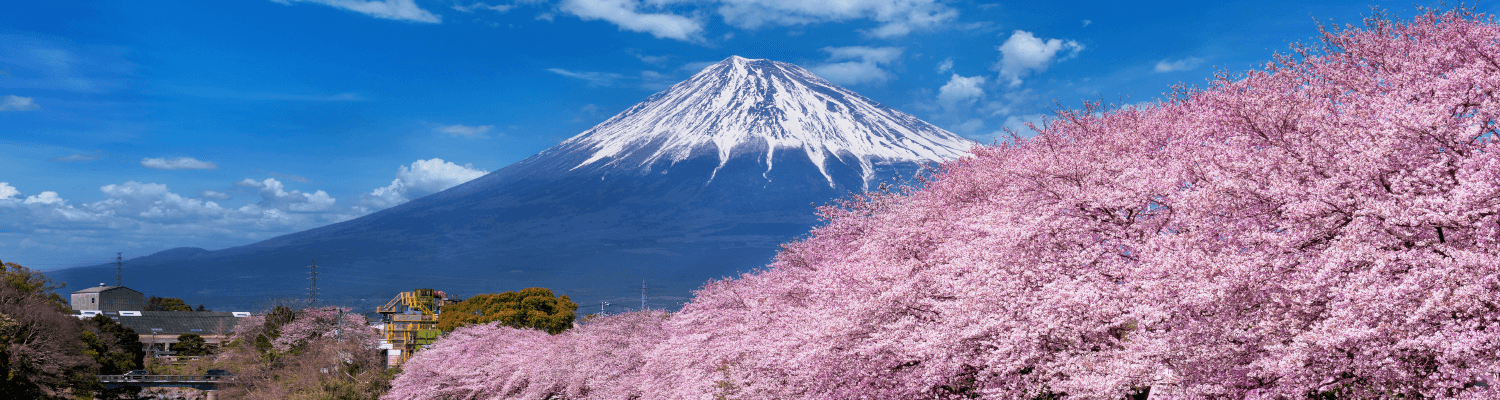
(697, 182)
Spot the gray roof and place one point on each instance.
(178, 322)
(99, 289)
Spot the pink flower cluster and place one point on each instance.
(596, 360)
(326, 323)
(1329, 225)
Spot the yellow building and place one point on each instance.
(410, 323)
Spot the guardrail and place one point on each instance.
(205, 382)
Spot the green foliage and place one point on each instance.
(534, 308)
(28, 281)
(190, 345)
(201, 308)
(166, 304)
(117, 349)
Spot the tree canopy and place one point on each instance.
(42, 353)
(535, 308)
(1325, 227)
(190, 344)
(323, 353)
(154, 303)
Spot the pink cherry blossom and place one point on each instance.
(1327, 225)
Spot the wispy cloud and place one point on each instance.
(628, 15)
(1179, 65)
(175, 164)
(855, 65)
(17, 103)
(39, 62)
(80, 157)
(209, 194)
(653, 60)
(897, 18)
(294, 178)
(481, 6)
(400, 10)
(473, 132)
(594, 78)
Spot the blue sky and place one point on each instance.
(136, 127)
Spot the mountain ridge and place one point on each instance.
(582, 224)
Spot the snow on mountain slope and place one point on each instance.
(741, 105)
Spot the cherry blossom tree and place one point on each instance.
(599, 360)
(1327, 226)
(324, 352)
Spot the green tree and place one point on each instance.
(535, 308)
(190, 345)
(117, 349)
(166, 304)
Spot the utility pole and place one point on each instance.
(643, 295)
(312, 289)
(119, 267)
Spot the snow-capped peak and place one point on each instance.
(740, 105)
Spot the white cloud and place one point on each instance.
(897, 17)
(17, 103)
(961, 91)
(149, 217)
(273, 195)
(8, 193)
(496, 8)
(179, 163)
(1087, 22)
(466, 131)
(874, 55)
(400, 10)
(594, 78)
(209, 194)
(626, 15)
(1179, 65)
(1024, 53)
(424, 177)
(945, 66)
(862, 65)
(45, 198)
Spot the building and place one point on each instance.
(158, 330)
(409, 323)
(108, 298)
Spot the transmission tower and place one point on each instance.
(312, 287)
(643, 295)
(119, 268)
